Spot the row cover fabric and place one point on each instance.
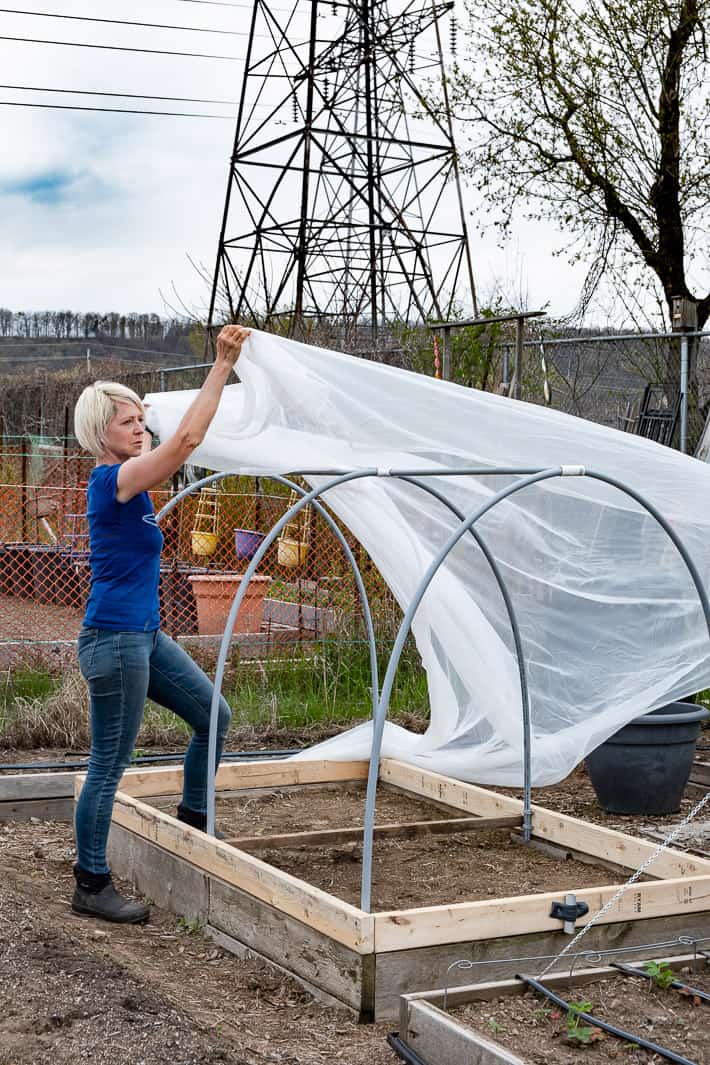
(611, 623)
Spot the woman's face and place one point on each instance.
(124, 436)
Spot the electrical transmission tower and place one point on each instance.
(344, 201)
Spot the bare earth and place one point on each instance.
(74, 990)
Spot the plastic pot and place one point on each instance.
(247, 542)
(214, 594)
(644, 767)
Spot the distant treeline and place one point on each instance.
(148, 329)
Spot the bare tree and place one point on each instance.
(594, 114)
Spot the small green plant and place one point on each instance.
(660, 974)
(579, 1034)
(495, 1026)
(191, 927)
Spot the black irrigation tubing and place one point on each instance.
(628, 1037)
(677, 985)
(404, 1051)
(228, 756)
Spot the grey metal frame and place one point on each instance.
(381, 698)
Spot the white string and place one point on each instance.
(632, 880)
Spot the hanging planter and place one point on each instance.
(203, 537)
(292, 545)
(214, 594)
(247, 543)
(644, 767)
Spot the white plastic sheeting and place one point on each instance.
(610, 620)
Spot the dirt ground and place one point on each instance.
(74, 990)
(537, 1030)
(463, 866)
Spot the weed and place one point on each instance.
(495, 1026)
(191, 927)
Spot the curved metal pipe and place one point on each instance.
(525, 694)
(387, 684)
(381, 700)
(309, 497)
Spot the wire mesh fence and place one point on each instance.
(304, 592)
(305, 595)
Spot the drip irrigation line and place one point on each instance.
(123, 95)
(227, 756)
(125, 22)
(122, 48)
(677, 985)
(403, 1050)
(112, 110)
(628, 1037)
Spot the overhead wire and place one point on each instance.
(121, 48)
(123, 22)
(124, 95)
(225, 3)
(113, 110)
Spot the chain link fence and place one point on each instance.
(305, 591)
(306, 598)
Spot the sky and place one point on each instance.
(111, 211)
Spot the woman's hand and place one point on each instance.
(229, 343)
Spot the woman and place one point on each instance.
(123, 655)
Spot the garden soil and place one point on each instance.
(538, 1031)
(74, 990)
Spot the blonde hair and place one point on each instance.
(94, 410)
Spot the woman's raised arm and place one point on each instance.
(148, 470)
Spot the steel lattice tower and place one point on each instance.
(345, 206)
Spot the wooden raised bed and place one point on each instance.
(365, 961)
(434, 1023)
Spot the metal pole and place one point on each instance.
(446, 355)
(518, 369)
(684, 354)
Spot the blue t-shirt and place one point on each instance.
(125, 558)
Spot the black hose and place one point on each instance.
(228, 756)
(677, 985)
(403, 1050)
(670, 1055)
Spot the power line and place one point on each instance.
(113, 110)
(125, 95)
(224, 3)
(123, 22)
(121, 48)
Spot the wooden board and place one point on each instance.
(43, 809)
(469, 797)
(342, 922)
(594, 840)
(36, 786)
(270, 773)
(242, 923)
(490, 919)
(404, 830)
(441, 1039)
(294, 946)
(438, 1039)
(410, 971)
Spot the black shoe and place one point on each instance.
(109, 905)
(196, 820)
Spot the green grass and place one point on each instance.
(327, 687)
(331, 686)
(27, 683)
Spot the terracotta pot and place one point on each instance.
(214, 594)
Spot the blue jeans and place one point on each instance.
(121, 669)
